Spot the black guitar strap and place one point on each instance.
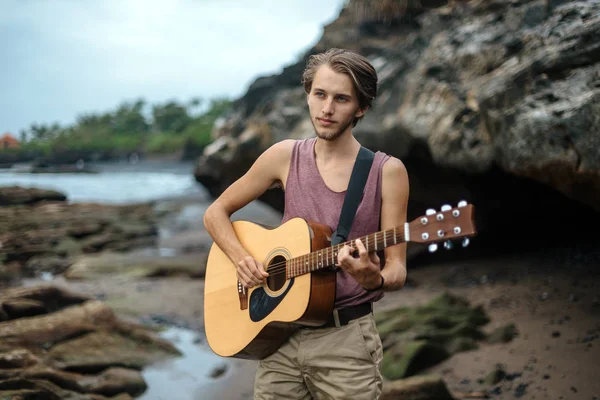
(354, 194)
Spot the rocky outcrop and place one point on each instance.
(495, 102)
(417, 338)
(128, 266)
(40, 232)
(15, 195)
(55, 344)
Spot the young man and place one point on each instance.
(340, 360)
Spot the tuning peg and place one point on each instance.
(462, 203)
(433, 248)
(430, 211)
(446, 207)
(448, 245)
(465, 242)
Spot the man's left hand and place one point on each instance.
(365, 269)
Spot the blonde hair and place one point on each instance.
(357, 67)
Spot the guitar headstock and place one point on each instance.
(444, 225)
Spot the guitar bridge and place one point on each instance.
(243, 296)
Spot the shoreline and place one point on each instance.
(116, 183)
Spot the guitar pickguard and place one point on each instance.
(261, 304)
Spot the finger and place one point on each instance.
(362, 251)
(374, 258)
(351, 249)
(346, 260)
(252, 269)
(343, 254)
(262, 270)
(244, 278)
(255, 269)
(247, 273)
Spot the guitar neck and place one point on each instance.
(327, 257)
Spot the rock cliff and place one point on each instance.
(496, 102)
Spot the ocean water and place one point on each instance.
(185, 377)
(115, 183)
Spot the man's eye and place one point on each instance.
(319, 94)
(342, 99)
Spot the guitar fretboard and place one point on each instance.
(328, 256)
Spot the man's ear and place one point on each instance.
(361, 112)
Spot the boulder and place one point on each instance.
(417, 338)
(407, 358)
(131, 266)
(15, 195)
(56, 344)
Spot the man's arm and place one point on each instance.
(366, 269)
(272, 166)
(395, 190)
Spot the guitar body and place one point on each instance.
(254, 323)
(300, 289)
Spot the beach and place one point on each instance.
(550, 295)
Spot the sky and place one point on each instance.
(63, 58)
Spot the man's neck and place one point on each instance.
(343, 148)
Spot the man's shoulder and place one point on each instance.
(278, 153)
(393, 167)
(282, 148)
(287, 143)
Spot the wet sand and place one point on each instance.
(556, 311)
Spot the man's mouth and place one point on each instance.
(324, 121)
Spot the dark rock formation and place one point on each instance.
(73, 347)
(128, 266)
(15, 195)
(417, 338)
(40, 232)
(495, 102)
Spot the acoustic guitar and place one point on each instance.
(300, 290)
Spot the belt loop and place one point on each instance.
(336, 318)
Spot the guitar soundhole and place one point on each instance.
(276, 270)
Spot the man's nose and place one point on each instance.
(328, 107)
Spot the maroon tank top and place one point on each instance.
(308, 197)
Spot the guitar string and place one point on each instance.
(281, 267)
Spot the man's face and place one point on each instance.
(333, 103)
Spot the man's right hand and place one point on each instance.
(251, 272)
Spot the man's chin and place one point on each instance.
(328, 135)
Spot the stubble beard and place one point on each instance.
(333, 135)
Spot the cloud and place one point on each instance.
(67, 57)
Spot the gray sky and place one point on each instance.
(62, 58)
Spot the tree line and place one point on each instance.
(132, 127)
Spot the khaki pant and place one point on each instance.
(330, 363)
